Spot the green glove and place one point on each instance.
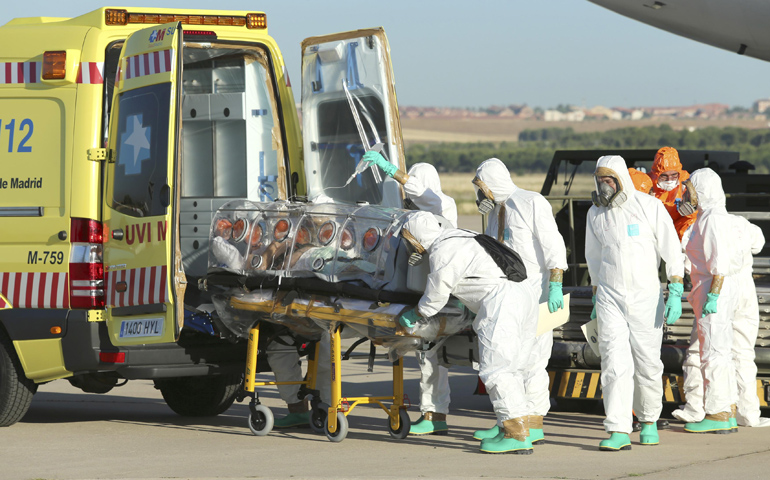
(374, 157)
(409, 319)
(555, 297)
(593, 312)
(674, 303)
(711, 304)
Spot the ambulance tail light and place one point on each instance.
(86, 270)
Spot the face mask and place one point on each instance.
(668, 185)
(415, 259)
(689, 203)
(484, 199)
(484, 204)
(601, 198)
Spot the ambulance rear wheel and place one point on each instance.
(342, 429)
(261, 420)
(16, 390)
(403, 426)
(200, 396)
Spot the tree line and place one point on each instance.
(535, 148)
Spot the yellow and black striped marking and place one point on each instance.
(586, 384)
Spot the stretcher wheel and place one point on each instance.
(342, 429)
(318, 414)
(403, 427)
(260, 420)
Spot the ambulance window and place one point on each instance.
(142, 151)
(340, 149)
(230, 146)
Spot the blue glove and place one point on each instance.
(555, 297)
(374, 157)
(593, 312)
(674, 303)
(409, 319)
(711, 304)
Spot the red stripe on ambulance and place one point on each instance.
(149, 64)
(19, 72)
(91, 73)
(34, 289)
(143, 286)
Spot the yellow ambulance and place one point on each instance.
(122, 131)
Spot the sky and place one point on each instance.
(452, 53)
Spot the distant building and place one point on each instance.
(761, 106)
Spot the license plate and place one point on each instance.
(146, 327)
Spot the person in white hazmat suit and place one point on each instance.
(627, 233)
(719, 248)
(423, 188)
(524, 221)
(745, 411)
(505, 317)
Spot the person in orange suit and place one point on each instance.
(642, 181)
(667, 177)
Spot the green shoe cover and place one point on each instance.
(536, 436)
(484, 434)
(617, 441)
(427, 427)
(708, 426)
(293, 420)
(500, 444)
(733, 424)
(649, 434)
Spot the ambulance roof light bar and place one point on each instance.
(123, 17)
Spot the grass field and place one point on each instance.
(459, 187)
(436, 129)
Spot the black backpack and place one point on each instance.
(509, 261)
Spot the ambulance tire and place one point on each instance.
(200, 396)
(16, 390)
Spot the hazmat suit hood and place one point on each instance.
(424, 228)
(496, 177)
(616, 166)
(666, 160)
(428, 175)
(642, 181)
(708, 186)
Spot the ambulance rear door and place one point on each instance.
(144, 278)
(349, 106)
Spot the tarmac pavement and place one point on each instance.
(130, 433)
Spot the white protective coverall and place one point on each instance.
(624, 245)
(529, 228)
(424, 189)
(731, 332)
(285, 364)
(505, 311)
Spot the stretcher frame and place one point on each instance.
(333, 416)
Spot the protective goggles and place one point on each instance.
(485, 201)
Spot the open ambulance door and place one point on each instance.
(349, 106)
(144, 277)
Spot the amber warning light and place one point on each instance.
(54, 65)
(123, 17)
